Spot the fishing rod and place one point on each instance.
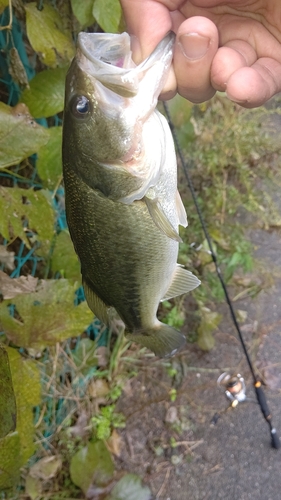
(260, 395)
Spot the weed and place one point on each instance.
(107, 420)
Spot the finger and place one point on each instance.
(148, 21)
(228, 59)
(252, 87)
(196, 45)
(169, 89)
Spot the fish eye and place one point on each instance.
(80, 106)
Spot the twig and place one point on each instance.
(164, 483)
(8, 26)
(130, 446)
(216, 468)
(223, 197)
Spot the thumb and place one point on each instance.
(148, 22)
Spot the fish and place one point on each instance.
(123, 207)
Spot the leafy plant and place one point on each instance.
(107, 420)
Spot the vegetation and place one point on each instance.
(60, 382)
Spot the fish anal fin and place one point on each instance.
(163, 340)
(160, 219)
(183, 281)
(104, 313)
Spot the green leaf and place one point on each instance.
(7, 397)
(18, 204)
(107, 14)
(83, 11)
(46, 34)
(85, 356)
(3, 5)
(18, 128)
(209, 322)
(33, 488)
(130, 488)
(45, 97)
(17, 447)
(91, 465)
(46, 316)
(64, 258)
(205, 340)
(175, 317)
(49, 161)
(10, 460)
(235, 260)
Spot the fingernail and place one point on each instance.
(194, 46)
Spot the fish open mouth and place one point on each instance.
(119, 63)
(106, 49)
(108, 58)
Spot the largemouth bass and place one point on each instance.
(122, 204)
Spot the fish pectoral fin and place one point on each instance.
(183, 281)
(104, 313)
(163, 340)
(181, 210)
(161, 220)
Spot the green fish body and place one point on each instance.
(122, 204)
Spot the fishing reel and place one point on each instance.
(234, 387)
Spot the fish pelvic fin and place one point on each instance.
(161, 220)
(183, 281)
(163, 340)
(104, 313)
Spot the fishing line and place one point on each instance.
(260, 395)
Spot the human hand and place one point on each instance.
(232, 46)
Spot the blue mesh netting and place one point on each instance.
(56, 409)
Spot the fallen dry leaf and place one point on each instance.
(46, 468)
(7, 258)
(98, 388)
(80, 428)
(11, 287)
(114, 443)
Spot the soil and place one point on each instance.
(174, 444)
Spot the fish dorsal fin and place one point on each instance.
(183, 281)
(160, 219)
(103, 312)
(181, 210)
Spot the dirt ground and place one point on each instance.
(174, 445)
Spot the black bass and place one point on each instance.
(120, 174)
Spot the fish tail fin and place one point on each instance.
(163, 340)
